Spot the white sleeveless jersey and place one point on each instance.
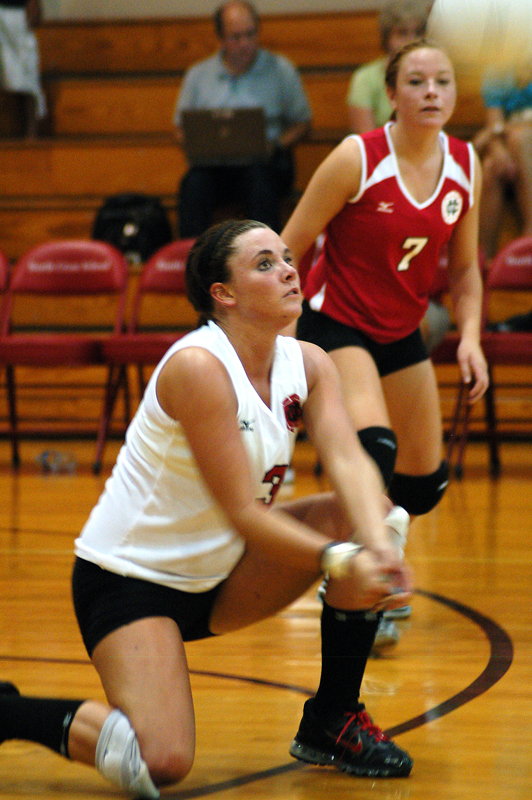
(156, 520)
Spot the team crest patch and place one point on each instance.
(292, 411)
(451, 207)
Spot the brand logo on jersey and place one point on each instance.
(246, 425)
(292, 411)
(451, 207)
(385, 206)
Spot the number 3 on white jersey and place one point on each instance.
(414, 245)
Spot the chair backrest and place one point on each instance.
(163, 273)
(511, 269)
(74, 267)
(510, 275)
(165, 270)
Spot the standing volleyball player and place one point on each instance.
(185, 543)
(389, 201)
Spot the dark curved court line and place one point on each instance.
(499, 662)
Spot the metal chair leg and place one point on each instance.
(111, 391)
(491, 425)
(13, 420)
(453, 436)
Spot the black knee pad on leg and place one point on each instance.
(380, 443)
(418, 494)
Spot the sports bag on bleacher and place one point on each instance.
(137, 224)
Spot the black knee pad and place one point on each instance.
(381, 444)
(418, 494)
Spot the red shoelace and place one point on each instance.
(364, 723)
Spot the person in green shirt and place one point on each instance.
(400, 22)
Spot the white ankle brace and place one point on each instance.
(118, 757)
(398, 520)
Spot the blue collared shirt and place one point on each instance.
(271, 83)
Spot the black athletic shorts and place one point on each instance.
(104, 601)
(327, 333)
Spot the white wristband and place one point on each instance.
(335, 558)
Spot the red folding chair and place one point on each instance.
(510, 271)
(46, 324)
(145, 343)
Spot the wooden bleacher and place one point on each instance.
(111, 88)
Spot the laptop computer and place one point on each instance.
(224, 137)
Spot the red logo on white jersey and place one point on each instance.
(292, 411)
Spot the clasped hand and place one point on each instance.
(375, 582)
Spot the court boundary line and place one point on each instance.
(499, 662)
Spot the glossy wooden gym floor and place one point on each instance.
(456, 691)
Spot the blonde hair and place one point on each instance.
(397, 12)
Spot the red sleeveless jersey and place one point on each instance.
(381, 250)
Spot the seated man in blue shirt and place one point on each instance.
(242, 74)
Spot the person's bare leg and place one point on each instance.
(520, 144)
(361, 387)
(491, 205)
(150, 653)
(414, 408)
(85, 731)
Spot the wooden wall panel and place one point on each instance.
(309, 156)
(72, 399)
(123, 46)
(171, 45)
(93, 167)
(140, 105)
(25, 225)
(145, 105)
(114, 106)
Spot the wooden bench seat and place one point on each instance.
(52, 188)
(145, 105)
(90, 166)
(121, 47)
